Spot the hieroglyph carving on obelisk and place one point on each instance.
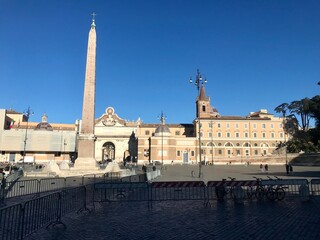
(86, 154)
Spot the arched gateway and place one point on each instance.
(108, 151)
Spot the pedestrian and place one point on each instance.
(144, 168)
(291, 169)
(261, 167)
(287, 168)
(266, 167)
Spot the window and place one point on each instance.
(246, 135)
(264, 135)
(256, 152)
(246, 125)
(210, 125)
(219, 125)
(147, 132)
(220, 152)
(271, 125)
(210, 134)
(219, 134)
(228, 134)
(177, 133)
(263, 125)
(237, 125)
(178, 153)
(237, 135)
(211, 152)
(229, 152)
(238, 152)
(272, 135)
(203, 108)
(281, 135)
(201, 134)
(255, 135)
(255, 126)
(219, 144)
(192, 153)
(247, 152)
(57, 154)
(228, 125)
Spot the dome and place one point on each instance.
(162, 130)
(44, 126)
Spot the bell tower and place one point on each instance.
(203, 104)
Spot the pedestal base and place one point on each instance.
(86, 164)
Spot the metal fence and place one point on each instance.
(35, 187)
(21, 220)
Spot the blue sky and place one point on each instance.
(254, 54)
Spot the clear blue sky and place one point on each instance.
(255, 55)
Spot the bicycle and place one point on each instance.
(264, 191)
(225, 189)
(279, 189)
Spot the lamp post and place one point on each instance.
(27, 113)
(199, 81)
(211, 142)
(162, 120)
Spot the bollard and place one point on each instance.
(304, 193)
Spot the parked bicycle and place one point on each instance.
(279, 189)
(225, 189)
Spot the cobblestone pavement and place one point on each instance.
(191, 220)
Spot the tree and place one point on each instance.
(301, 108)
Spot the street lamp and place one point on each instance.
(162, 120)
(27, 113)
(199, 81)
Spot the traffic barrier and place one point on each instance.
(315, 187)
(178, 191)
(220, 190)
(21, 220)
(73, 181)
(38, 213)
(121, 192)
(291, 187)
(89, 179)
(10, 219)
(21, 188)
(51, 184)
(153, 175)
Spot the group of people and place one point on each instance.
(289, 168)
(264, 168)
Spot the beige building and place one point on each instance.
(40, 140)
(221, 138)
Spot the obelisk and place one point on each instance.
(86, 154)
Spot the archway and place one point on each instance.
(108, 151)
